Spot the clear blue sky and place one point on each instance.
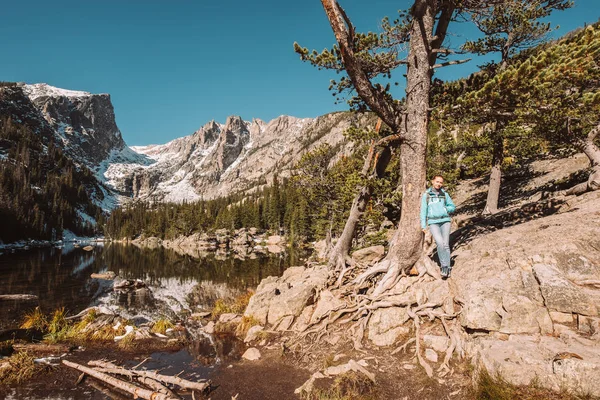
(171, 66)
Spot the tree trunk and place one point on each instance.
(340, 253)
(589, 147)
(409, 123)
(491, 204)
(406, 245)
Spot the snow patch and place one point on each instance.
(86, 218)
(44, 90)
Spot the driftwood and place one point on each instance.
(174, 380)
(156, 385)
(119, 384)
(109, 394)
(109, 275)
(18, 297)
(41, 348)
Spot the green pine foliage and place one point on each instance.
(553, 93)
(40, 188)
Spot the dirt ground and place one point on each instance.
(268, 378)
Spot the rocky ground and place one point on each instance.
(522, 302)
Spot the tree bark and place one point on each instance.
(491, 204)
(18, 297)
(184, 383)
(591, 150)
(339, 255)
(125, 386)
(406, 245)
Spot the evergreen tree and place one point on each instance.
(509, 27)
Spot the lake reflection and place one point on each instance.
(61, 277)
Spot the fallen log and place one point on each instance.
(41, 348)
(156, 385)
(18, 297)
(109, 275)
(119, 384)
(110, 394)
(184, 383)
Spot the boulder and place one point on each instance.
(368, 255)
(252, 354)
(436, 342)
(209, 328)
(386, 325)
(275, 249)
(560, 294)
(327, 302)
(561, 318)
(552, 362)
(288, 295)
(431, 355)
(290, 301)
(521, 315)
(285, 323)
(229, 317)
(253, 333)
(588, 325)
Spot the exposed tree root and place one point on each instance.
(404, 347)
(417, 323)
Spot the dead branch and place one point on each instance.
(453, 62)
(157, 386)
(119, 384)
(201, 386)
(41, 348)
(18, 297)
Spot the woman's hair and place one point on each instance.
(437, 176)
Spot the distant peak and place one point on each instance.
(43, 89)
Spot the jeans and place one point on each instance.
(441, 235)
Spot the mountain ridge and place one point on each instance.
(216, 160)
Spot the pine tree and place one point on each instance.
(509, 27)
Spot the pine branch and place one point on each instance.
(453, 62)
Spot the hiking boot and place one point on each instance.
(444, 272)
(449, 272)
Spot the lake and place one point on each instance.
(60, 277)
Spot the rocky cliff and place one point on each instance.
(216, 160)
(220, 159)
(83, 122)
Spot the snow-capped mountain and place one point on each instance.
(219, 159)
(84, 122)
(216, 160)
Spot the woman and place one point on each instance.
(436, 207)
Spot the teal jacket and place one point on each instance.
(436, 207)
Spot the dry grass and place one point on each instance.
(20, 369)
(35, 320)
(245, 325)
(161, 325)
(78, 333)
(237, 305)
(127, 342)
(348, 386)
(58, 327)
